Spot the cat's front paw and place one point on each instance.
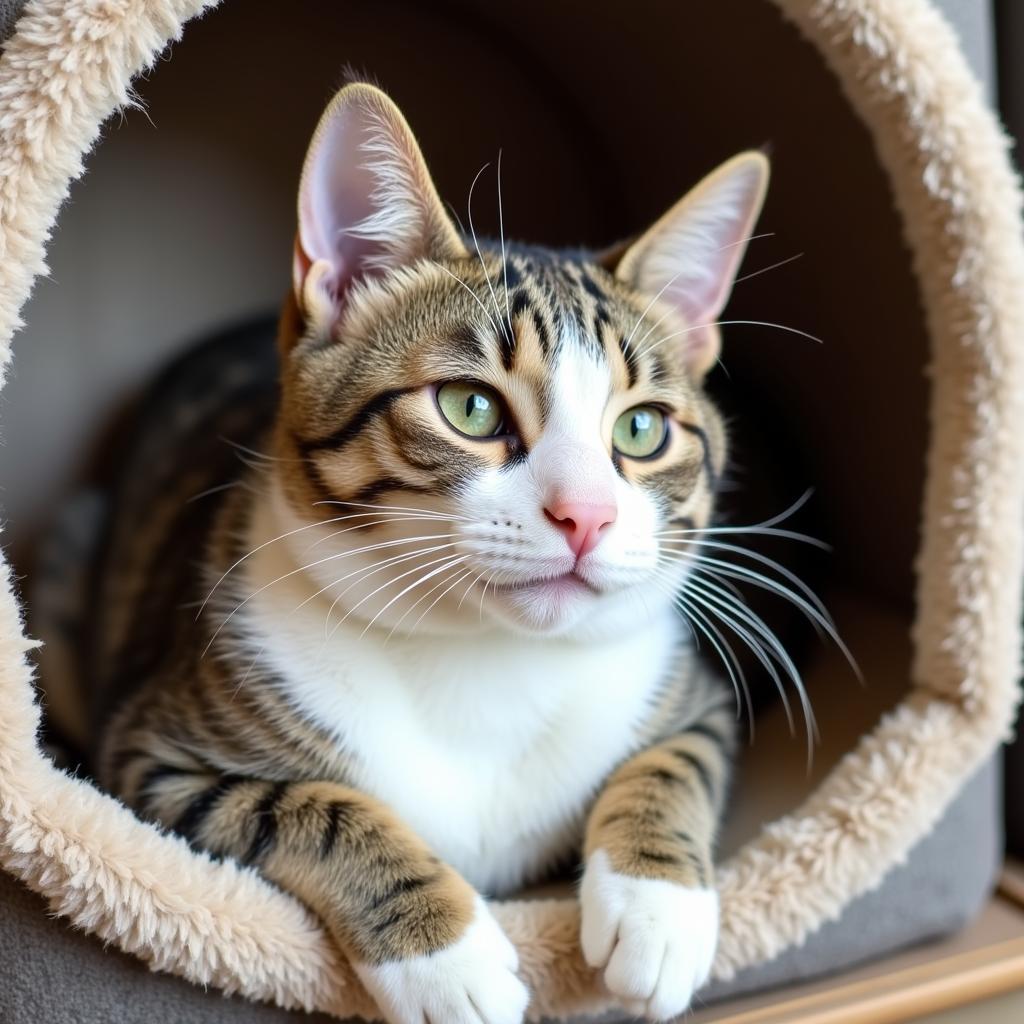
(469, 982)
(653, 939)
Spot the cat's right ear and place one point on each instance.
(689, 258)
(367, 203)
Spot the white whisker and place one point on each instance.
(714, 531)
(395, 508)
(728, 323)
(672, 280)
(253, 452)
(476, 298)
(640, 319)
(387, 583)
(817, 609)
(255, 550)
(452, 563)
(711, 592)
(365, 571)
(483, 594)
(815, 612)
(504, 263)
(681, 558)
(764, 270)
(311, 565)
(395, 517)
(455, 214)
(730, 662)
(473, 583)
(756, 646)
(476, 244)
(779, 517)
(756, 556)
(746, 277)
(213, 490)
(459, 577)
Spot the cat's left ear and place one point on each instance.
(691, 255)
(367, 203)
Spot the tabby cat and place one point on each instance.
(431, 651)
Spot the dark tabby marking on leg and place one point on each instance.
(337, 810)
(201, 806)
(683, 778)
(266, 824)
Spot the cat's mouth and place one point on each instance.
(564, 583)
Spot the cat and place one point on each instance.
(423, 649)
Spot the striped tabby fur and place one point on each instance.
(393, 666)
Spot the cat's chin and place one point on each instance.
(558, 606)
(549, 605)
(551, 589)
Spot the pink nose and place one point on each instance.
(581, 524)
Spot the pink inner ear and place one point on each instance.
(701, 349)
(700, 297)
(702, 291)
(695, 251)
(338, 194)
(711, 245)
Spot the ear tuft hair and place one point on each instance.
(367, 203)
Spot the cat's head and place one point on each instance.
(515, 437)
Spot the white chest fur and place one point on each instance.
(490, 746)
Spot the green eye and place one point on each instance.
(470, 408)
(639, 432)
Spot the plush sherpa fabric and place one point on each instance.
(50, 973)
(70, 64)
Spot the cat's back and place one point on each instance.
(181, 454)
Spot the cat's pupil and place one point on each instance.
(641, 421)
(475, 402)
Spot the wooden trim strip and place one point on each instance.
(1011, 882)
(903, 994)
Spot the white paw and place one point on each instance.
(472, 981)
(655, 940)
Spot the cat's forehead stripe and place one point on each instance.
(555, 295)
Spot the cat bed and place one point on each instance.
(941, 660)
